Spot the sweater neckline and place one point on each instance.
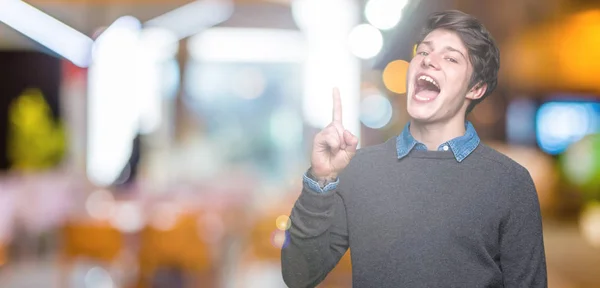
(429, 154)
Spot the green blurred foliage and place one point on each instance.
(35, 141)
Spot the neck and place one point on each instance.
(434, 134)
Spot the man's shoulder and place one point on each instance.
(370, 153)
(511, 180)
(500, 162)
(371, 159)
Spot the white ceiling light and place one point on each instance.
(194, 17)
(49, 32)
(247, 45)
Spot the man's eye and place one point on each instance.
(451, 59)
(423, 53)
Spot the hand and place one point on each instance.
(334, 146)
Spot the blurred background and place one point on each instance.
(155, 143)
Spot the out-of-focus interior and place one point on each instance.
(161, 143)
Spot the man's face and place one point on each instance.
(438, 78)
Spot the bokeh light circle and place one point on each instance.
(394, 76)
(100, 204)
(365, 41)
(578, 165)
(98, 277)
(283, 222)
(581, 165)
(127, 217)
(375, 111)
(165, 216)
(384, 14)
(589, 224)
(279, 239)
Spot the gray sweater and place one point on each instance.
(425, 220)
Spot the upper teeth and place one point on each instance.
(430, 80)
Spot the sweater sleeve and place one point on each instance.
(522, 256)
(314, 186)
(317, 238)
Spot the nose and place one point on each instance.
(430, 61)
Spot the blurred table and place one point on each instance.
(572, 262)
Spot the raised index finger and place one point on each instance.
(337, 106)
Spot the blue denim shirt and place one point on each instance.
(461, 147)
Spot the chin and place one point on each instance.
(420, 114)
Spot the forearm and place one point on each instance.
(526, 266)
(316, 238)
(522, 258)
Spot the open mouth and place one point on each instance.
(426, 89)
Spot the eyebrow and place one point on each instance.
(447, 48)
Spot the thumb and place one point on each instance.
(351, 141)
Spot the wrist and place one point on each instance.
(322, 180)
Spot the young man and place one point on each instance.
(433, 207)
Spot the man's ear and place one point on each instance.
(477, 91)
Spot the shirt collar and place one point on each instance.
(461, 146)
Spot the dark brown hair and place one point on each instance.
(483, 52)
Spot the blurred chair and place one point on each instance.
(97, 241)
(263, 243)
(267, 231)
(341, 275)
(260, 264)
(179, 247)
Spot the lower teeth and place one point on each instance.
(422, 98)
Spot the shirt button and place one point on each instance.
(445, 148)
